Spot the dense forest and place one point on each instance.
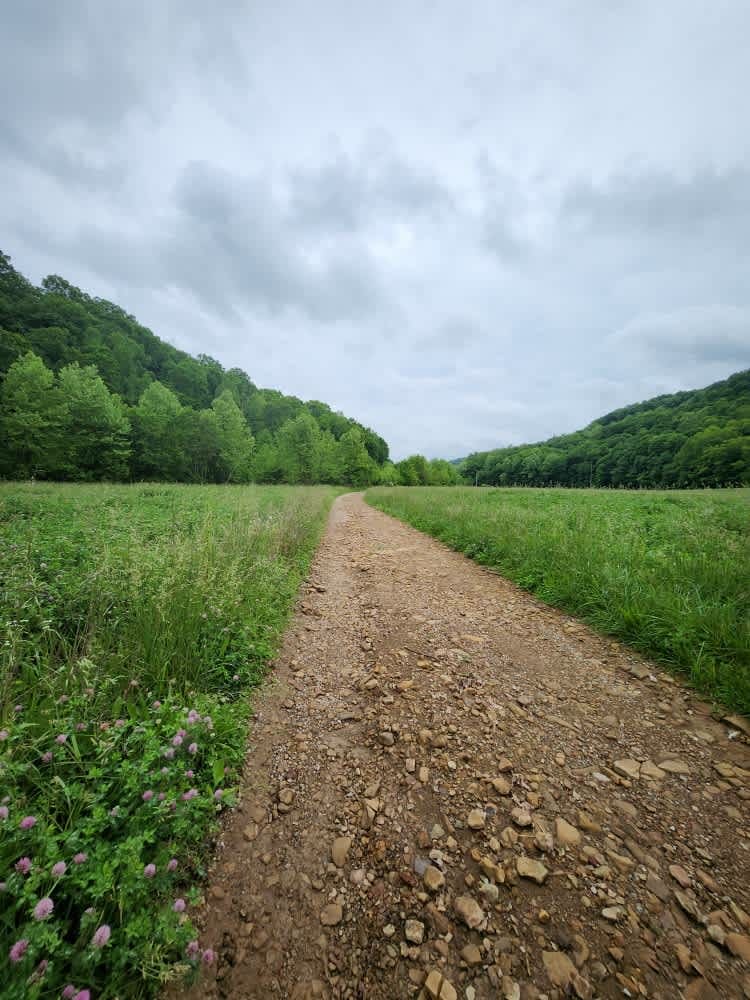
(688, 439)
(87, 393)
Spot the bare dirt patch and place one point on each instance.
(454, 791)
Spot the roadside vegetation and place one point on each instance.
(134, 621)
(667, 572)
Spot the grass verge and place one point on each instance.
(667, 572)
(133, 622)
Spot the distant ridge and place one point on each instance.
(695, 438)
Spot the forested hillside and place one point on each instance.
(688, 439)
(88, 393)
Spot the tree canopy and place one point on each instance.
(87, 392)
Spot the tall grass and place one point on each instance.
(667, 572)
(133, 621)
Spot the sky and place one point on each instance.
(465, 225)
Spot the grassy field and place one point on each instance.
(667, 572)
(133, 621)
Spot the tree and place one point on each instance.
(299, 443)
(267, 466)
(29, 419)
(198, 436)
(357, 468)
(414, 470)
(157, 451)
(388, 475)
(234, 439)
(94, 426)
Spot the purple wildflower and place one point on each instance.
(172, 864)
(69, 992)
(119, 723)
(47, 757)
(80, 726)
(192, 949)
(147, 795)
(3, 812)
(18, 950)
(193, 716)
(179, 906)
(177, 740)
(156, 704)
(169, 753)
(190, 794)
(208, 956)
(219, 794)
(18, 708)
(59, 868)
(101, 936)
(23, 866)
(161, 796)
(149, 871)
(82, 995)
(61, 738)
(208, 721)
(80, 858)
(189, 774)
(43, 908)
(3, 735)
(27, 822)
(193, 748)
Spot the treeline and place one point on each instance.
(88, 393)
(688, 439)
(416, 470)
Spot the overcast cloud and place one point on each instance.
(467, 225)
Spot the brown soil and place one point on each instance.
(410, 680)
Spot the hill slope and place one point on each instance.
(687, 439)
(70, 330)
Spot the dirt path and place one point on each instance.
(452, 790)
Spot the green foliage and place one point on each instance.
(29, 417)
(664, 571)
(158, 446)
(357, 468)
(299, 446)
(416, 470)
(235, 442)
(689, 439)
(191, 420)
(134, 620)
(94, 428)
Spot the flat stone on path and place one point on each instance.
(331, 915)
(340, 851)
